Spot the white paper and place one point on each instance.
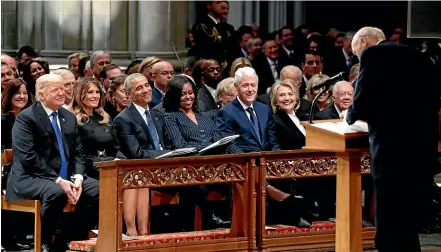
(223, 141)
(358, 126)
(178, 152)
(340, 128)
(124, 237)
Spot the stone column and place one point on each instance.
(299, 13)
(276, 15)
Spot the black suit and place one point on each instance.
(265, 74)
(287, 133)
(36, 167)
(133, 134)
(212, 40)
(296, 58)
(397, 155)
(330, 112)
(205, 96)
(335, 63)
(99, 143)
(7, 123)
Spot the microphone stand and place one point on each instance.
(311, 115)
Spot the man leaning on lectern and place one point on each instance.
(403, 136)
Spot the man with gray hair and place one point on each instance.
(49, 163)
(98, 60)
(11, 62)
(400, 150)
(68, 82)
(139, 128)
(342, 95)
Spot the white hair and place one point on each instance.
(43, 81)
(225, 85)
(128, 80)
(87, 65)
(98, 53)
(338, 84)
(64, 73)
(369, 31)
(293, 69)
(244, 71)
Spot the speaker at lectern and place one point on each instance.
(424, 19)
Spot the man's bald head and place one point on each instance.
(293, 73)
(366, 37)
(10, 61)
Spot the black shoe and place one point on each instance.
(303, 223)
(45, 248)
(293, 212)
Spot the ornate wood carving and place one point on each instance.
(183, 175)
(308, 167)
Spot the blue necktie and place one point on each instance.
(152, 130)
(254, 122)
(63, 170)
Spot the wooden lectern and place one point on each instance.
(348, 148)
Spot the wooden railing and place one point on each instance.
(238, 170)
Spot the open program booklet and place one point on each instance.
(221, 142)
(178, 152)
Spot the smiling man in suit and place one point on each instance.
(47, 155)
(139, 132)
(253, 121)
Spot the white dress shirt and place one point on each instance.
(215, 20)
(273, 68)
(142, 112)
(49, 114)
(296, 122)
(244, 106)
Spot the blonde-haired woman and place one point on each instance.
(239, 63)
(94, 124)
(225, 92)
(254, 48)
(325, 99)
(284, 103)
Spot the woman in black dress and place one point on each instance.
(94, 124)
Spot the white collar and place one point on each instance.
(345, 54)
(286, 50)
(336, 108)
(47, 110)
(380, 41)
(215, 20)
(140, 109)
(244, 106)
(270, 61)
(212, 91)
(305, 79)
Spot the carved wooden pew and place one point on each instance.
(115, 176)
(299, 164)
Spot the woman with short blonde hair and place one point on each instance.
(325, 99)
(225, 91)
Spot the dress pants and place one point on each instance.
(401, 203)
(53, 199)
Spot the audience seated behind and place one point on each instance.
(211, 76)
(118, 97)
(342, 95)
(94, 124)
(225, 92)
(325, 99)
(162, 72)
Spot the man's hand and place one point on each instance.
(68, 188)
(78, 188)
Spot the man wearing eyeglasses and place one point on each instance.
(162, 72)
(68, 82)
(342, 95)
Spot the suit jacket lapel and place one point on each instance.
(138, 119)
(158, 125)
(45, 123)
(207, 97)
(261, 118)
(242, 114)
(289, 123)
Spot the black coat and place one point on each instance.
(398, 145)
(36, 155)
(287, 133)
(133, 135)
(207, 99)
(327, 113)
(7, 123)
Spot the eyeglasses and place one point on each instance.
(165, 73)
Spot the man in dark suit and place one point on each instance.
(311, 66)
(341, 59)
(211, 36)
(268, 67)
(162, 72)
(211, 76)
(342, 95)
(254, 123)
(47, 156)
(137, 139)
(291, 54)
(402, 151)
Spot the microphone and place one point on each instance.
(329, 82)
